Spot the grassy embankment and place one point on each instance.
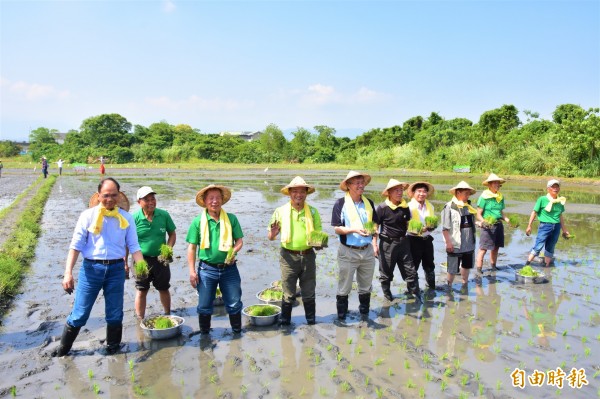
(19, 249)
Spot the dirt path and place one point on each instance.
(10, 187)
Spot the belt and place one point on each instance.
(386, 238)
(106, 261)
(303, 252)
(355, 247)
(217, 265)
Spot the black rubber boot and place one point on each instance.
(236, 322)
(66, 341)
(365, 304)
(310, 312)
(114, 333)
(387, 293)
(430, 279)
(204, 321)
(286, 313)
(342, 306)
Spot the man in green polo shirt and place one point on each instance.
(295, 221)
(152, 224)
(549, 210)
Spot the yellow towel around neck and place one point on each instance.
(553, 201)
(393, 207)
(352, 212)
(286, 222)
(461, 204)
(96, 227)
(487, 194)
(415, 212)
(225, 230)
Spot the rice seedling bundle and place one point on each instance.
(528, 271)
(267, 310)
(218, 293)
(141, 268)
(318, 239)
(159, 323)
(415, 227)
(230, 256)
(166, 254)
(431, 222)
(271, 294)
(488, 222)
(568, 236)
(369, 227)
(513, 221)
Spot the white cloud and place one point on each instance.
(319, 94)
(33, 91)
(169, 6)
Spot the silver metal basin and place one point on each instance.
(164, 333)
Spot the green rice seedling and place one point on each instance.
(213, 379)
(90, 374)
(410, 384)
(329, 347)
(262, 310)
(333, 373)
(379, 392)
(345, 386)
(444, 356)
(584, 339)
(457, 364)
(568, 236)
(477, 376)
(378, 361)
(448, 372)
(431, 222)
(488, 222)
(318, 239)
(587, 352)
(528, 271)
(463, 395)
(498, 385)
(166, 254)
(390, 372)
(426, 358)
(480, 389)
(132, 376)
(163, 323)
(406, 364)
(230, 257)
(536, 359)
(517, 347)
(350, 368)
(310, 351)
(421, 392)
(323, 391)
(367, 379)
(271, 294)
(349, 341)
(130, 363)
(428, 376)
(244, 389)
(140, 391)
(513, 221)
(358, 350)
(13, 391)
(318, 359)
(370, 227)
(443, 385)
(309, 375)
(141, 269)
(464, 380)
(96, 388)
(415, 227)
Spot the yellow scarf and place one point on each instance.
(286, 225)
(96, 227)
(487, 194)
(548, 207)
(461, 204)
(225, 237)
(352, 212)
(393, 207)
(415, 212)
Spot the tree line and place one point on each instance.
(568, 145)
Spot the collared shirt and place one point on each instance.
(393, 223)
(423, 213)
(112, 241)
(297, 226)
(212, 254)
(151, 234)
(339, 218)
(548, 217)
(491, 207)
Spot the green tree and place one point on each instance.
(568, 113)
(43, 143)
(302, 145)
(9, 149)
(497, 122)
(273, 144)
(105, 130)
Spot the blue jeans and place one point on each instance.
(547, 237)
(230, 282)
(92, 278)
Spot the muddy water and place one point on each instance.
(465, 343)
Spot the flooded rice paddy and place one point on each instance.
(463, 344)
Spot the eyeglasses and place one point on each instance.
(357, 183)
(107, 196)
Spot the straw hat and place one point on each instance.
(492, 177)
(464, 186)
(122, 201)
(394, 183)
(350, 175)
(411, 189)
(224, 190)
(297, 182)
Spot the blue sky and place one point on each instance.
(351, 65)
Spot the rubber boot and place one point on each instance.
(114, 333)
(66, 340)
(236, 322)
(204, 321)
(286, 313)
(342, 306)
(387, 293)
(365, 304)
(430, 279)
(310, 312)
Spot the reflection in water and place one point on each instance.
(540, 312)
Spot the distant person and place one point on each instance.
(103, 235)
(549, 210)
(491, 205)
(60, 165)
(45, 167)
(102, 168)
(458, 230)
(211, 236)
(358, 247)
(394, 248)
(297, 260)
(1, 166)
(421, 245)
(152, 225)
